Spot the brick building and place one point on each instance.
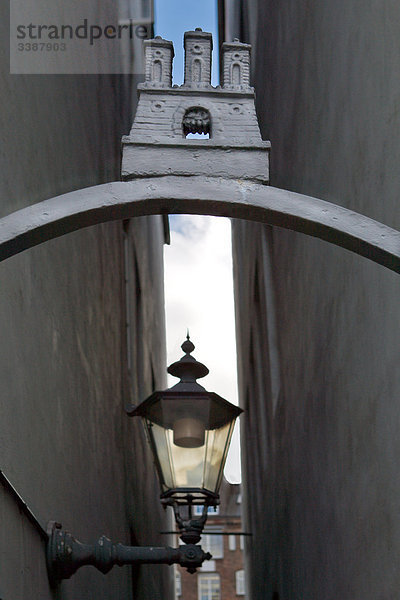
(221, 578)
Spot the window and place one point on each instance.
(157, 71)
(209, 586)
(232, 542)
(236, 74)
(242, 542)
(213, 543)
(139, 11)
(178, 584)
(239, 575)
(208, 566)
(211, 510)
(196, 70)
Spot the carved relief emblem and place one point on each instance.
(197, 49)
(236, 109)
(158, 106)
(196, 120)
(237, 57)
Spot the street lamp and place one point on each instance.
(189, 431)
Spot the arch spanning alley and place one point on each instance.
(204, 196)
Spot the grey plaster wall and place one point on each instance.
(321, 434)
(66, 369)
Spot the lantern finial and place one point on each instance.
(188, 369)
(187, 345)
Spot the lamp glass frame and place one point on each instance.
(189, 475)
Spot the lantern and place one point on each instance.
(189, 430)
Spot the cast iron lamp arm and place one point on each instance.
(65, 555)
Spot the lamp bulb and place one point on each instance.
(189, 433)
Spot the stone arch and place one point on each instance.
(234, 198)
(187, 103)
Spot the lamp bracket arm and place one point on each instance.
(65, 555)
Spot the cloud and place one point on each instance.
(199, 297)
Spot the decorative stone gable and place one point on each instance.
(161, 141)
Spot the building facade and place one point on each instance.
(318, 328)
(82, 322)
(221, 578)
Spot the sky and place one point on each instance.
(174, 17)
(198, 263)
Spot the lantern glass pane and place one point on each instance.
(182, 467)
(217, 444)
(159, 445)
(188, 464)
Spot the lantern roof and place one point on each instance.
(187, 390)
